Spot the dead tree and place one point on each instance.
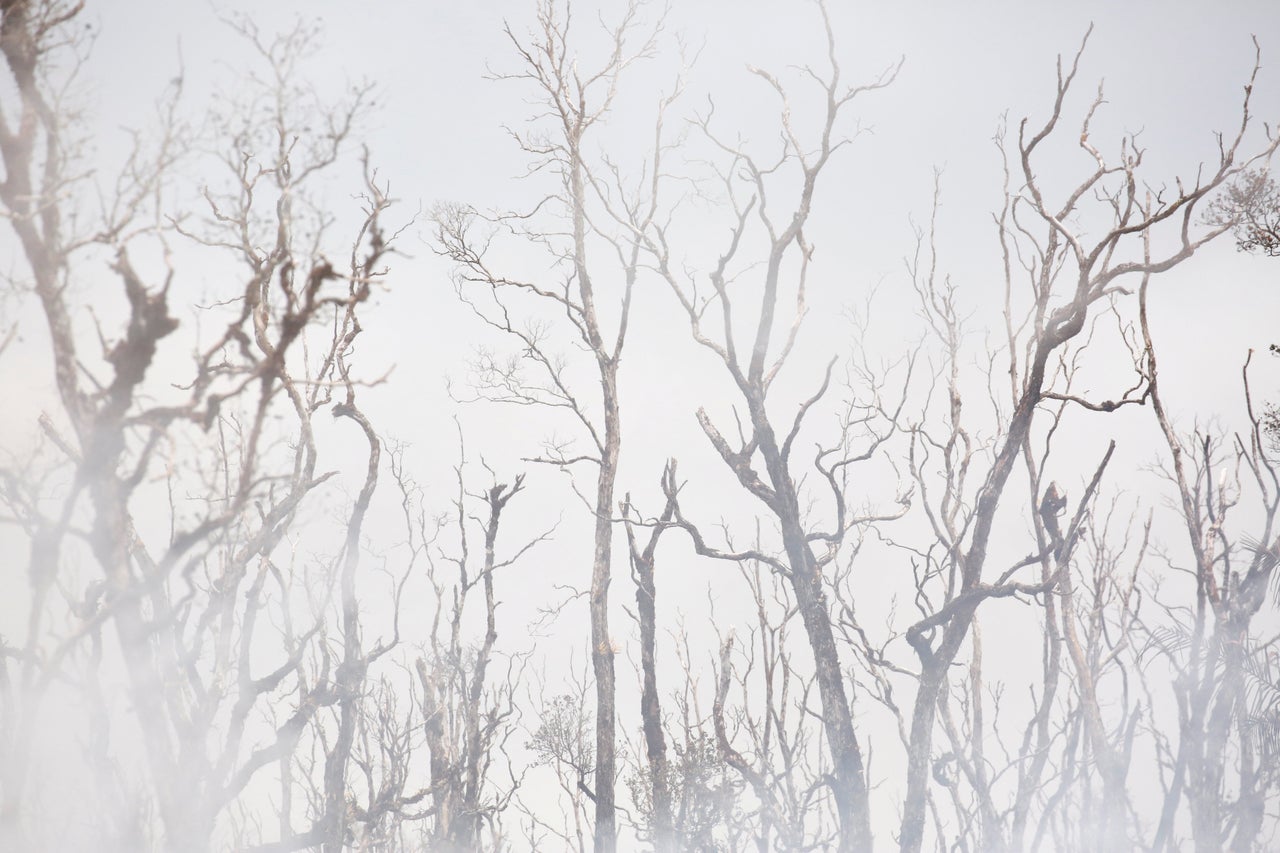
(1211, 646)
(1092, 272)
(466, 711)
(753, 366)
(662, 827)
(184, 600)
(575, 103)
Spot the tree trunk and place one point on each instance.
(606, 830)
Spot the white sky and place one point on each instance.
(1172, 71)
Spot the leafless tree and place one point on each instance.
(575, 102)
(1211, 645)
(753, 368)
(175, 601)
(660, 808)
(1067, 277)
(467, 713)
(185, 600)
(1048, 253)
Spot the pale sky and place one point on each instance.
(1172, 71)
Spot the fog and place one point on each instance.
(521, 425)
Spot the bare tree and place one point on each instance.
(575, 103)
(754, 367)
(466, 712)
(238, 679)
(1067, 277)
(185, 599)
(1093, 273)
(1211, 645)
(642, 572)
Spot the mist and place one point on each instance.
(616, 427)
